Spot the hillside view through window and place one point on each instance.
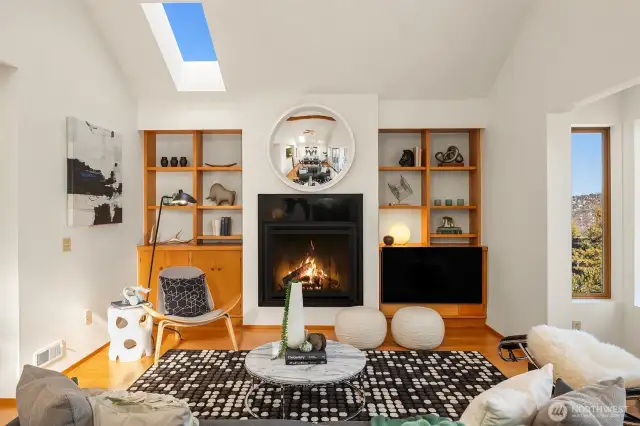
(590, 212)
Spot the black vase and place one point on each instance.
(183, 161)
(388, 240)
(174, 161)
(164, 162)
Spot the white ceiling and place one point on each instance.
(402, 49)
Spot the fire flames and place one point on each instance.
(311, 276)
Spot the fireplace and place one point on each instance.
(314, 239)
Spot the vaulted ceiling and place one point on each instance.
(402, 49)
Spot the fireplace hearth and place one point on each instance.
(314, 239)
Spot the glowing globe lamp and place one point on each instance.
(400, 233)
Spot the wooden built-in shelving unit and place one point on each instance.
(428, 171)
(197, 169)
(428, 182)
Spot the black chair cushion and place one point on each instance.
(185, 297)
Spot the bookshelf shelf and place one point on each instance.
(452, 169)
(454, 207)
(401, 169)
(219, 237)
(454, 235)
(401, 207)
(193, 147)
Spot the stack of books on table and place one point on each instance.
(296, 357)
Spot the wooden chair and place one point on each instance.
(214, 314)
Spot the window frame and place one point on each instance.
(606, 210)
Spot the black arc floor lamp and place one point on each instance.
(179, 199)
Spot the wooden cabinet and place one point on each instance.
(222, 266)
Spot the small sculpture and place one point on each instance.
(306, 346)
(388, 240)
(400, 192)
(448, 226)
(183, 162)
(132, 294)
(164, 162)
(220, 165)
(219, 194)
(451, 157)
(318, 341)
(174, 161)
(408, 159)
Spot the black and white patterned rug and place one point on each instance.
(396, 384)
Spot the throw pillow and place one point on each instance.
(185, 297)
(600, 404)
(512, 402)
(46, 397)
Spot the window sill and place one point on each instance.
(587, 301)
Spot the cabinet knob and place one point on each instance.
(213, 269)
(219, 269)
(160, 268)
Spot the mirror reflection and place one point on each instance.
(311, 148)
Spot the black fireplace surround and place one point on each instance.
(314, 239)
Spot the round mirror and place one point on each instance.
(311, 148)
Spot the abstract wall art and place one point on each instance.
(94, 174)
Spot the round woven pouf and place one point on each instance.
(415, 327)
(360, 326)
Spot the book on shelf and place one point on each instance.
(417, 155)
(296, 357)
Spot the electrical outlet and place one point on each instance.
(88, 317)
(66, 244)
(576, 325)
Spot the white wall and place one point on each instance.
(603, 318)
(64, 70)
(9, 314)
(631, 172)
(550, 69)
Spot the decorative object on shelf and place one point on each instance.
(220, 165)
(448, 202)
(450, 158)
(408, 158)
(132, 294)
(460, 202)
(298, 148)
(174, 161)
(183, 162)
(417, 156)
(388, 240)
(318, 341)
(400, 191)
(306, 346)
(215, 224)
(400, 233)
(164, 162)
(180, 199)
(220, 194)
(94, 174)
(437, 202)
(173, 240)
(448, 226)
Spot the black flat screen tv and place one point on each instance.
(431, 275)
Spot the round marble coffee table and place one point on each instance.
(344, 364)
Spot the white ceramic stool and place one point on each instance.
(128, 326)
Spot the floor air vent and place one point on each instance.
(49, 354)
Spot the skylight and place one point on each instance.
(191, 31)
(183, 37)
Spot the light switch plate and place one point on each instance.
(88, 317)
(66, 244)
(576, 325)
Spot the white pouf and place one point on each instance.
(138, 328)
(415, 327)
(360, 326)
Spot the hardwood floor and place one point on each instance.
(98, 372)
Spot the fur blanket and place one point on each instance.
(580, 359)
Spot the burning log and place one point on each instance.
(296, 274)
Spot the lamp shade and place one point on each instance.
(182, 199)
(400, 233)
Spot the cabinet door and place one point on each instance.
(223, 270)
